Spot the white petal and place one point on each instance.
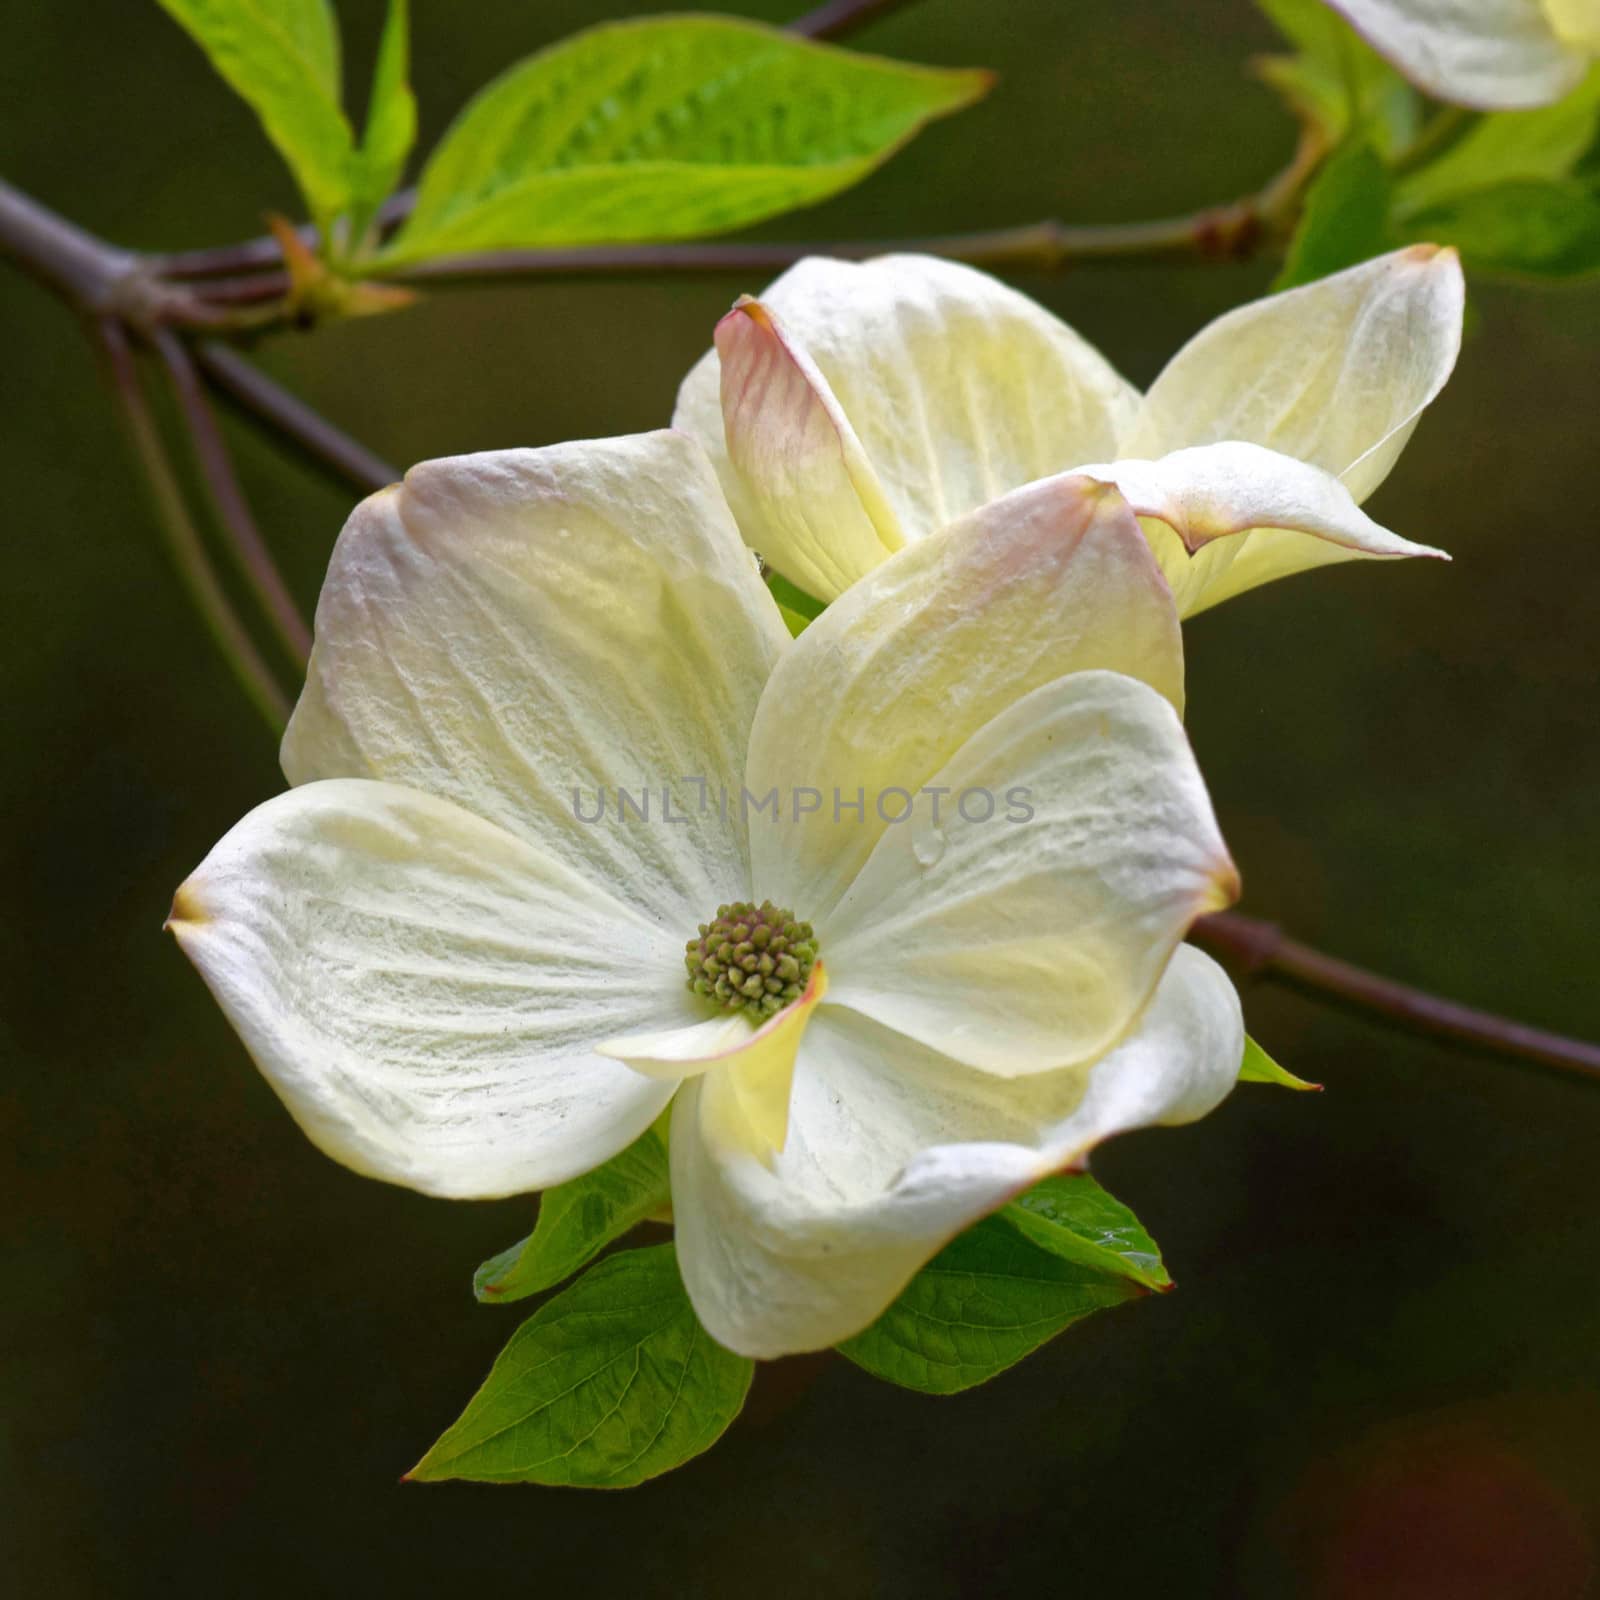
(749, 1069)
(1498, 54)
(745, 1102)
(424, 990)
(955, 387)
(1026, 928)
(1231, 516)
(683, 1051)
(893, 1149)
(525, 631)
(1336, 372)
(822, 519)
(882, 689)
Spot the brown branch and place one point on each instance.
(252, 289)
(1223, 233)
(227, 260)
(282, 416)
(249, 549)
(1256, 948)
(90, 275)
(184, 544)
(840, 17)
(63, 257)
(1231, 232)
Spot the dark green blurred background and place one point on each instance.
(1379, 1377)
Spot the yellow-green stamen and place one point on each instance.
(751, 958)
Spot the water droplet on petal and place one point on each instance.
(929, 846)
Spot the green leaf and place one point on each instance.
(799, 609)
(665, 128)
(391, 120)
(1336, 81)
(577, 1220)
(1259, 1067)
(988, 1299)
(1071, 1216)
(282, 56)
(1548, 142)
(610, 1383)
(1528, 229)
(1345, 218)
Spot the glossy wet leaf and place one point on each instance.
(988, 1299)
(607, 1384)
(577, 1220)
(1071, 1216)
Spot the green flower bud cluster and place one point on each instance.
(753, 958)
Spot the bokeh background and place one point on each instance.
(1379, 1375)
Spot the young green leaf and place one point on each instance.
(1345, 218)
(988, 1299)
(577, 1220)
(282, 57)
(794, 602)
(1071, 1216)
(1531, 229)
(1259, 1067)
(391, 121)
(1547, 142)
(1336, 81)
(793, 621)
(611, 1382)
(665, 128)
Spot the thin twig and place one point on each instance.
(1229, 232)
(253, 289)
(249, 549)
(285, 416)
(840, 17)
(1226, 232)
(90, 274)
(75, 264)
(1257, 948)
(225, 260)
(183, 539)
(831, 21)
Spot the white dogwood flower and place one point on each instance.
(857, 408)
(1495, 54)
(882, 1028)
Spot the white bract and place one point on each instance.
(1497, 54)
(857, 408)
(455, 984)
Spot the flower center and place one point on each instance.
(751, 958)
